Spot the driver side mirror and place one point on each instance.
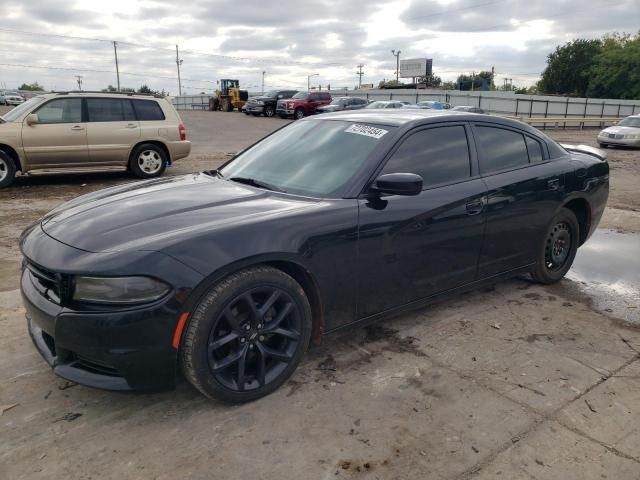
(406, 184)
(32, 119)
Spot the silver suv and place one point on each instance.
(84, 132)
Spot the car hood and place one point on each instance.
(617, 129)
(157, 213)
(261, 98)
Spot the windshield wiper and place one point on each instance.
(216, 173)
(256, 183)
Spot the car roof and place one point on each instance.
(402, 117)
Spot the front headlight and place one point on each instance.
(118, 290)
(259, 103)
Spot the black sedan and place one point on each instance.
(229, 275)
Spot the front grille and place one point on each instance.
(55, 286)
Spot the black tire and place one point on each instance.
(214, 105)
(245, 340)
(148, 161)
(603, 145)
(227, 106)
(558, 249)
(269, 111)
(7, 170)
(298, 114)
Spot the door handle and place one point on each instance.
(77, 127)
(553, 184)
(131, 125)
(475, 207)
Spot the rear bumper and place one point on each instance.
(111, 350)
(179, 149)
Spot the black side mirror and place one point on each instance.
(407, 184)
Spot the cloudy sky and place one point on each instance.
(52, 41)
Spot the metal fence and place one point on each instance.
(498, 103)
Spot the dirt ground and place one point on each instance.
(514, 381)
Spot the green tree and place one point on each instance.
(616, 71)
(432, 81)
(476, 81)
(32, 87)
(568, 67)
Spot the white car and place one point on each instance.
(11, 98)
(626, 132)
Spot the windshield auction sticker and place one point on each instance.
(366, 130)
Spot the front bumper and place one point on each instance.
(285, 111)
(255, 108)
(113, 350)
(628, 142)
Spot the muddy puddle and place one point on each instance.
(607, 270)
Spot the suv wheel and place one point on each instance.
(299, 113)
(7, 169)
(247, 335)
(148, 161)
(269, 111)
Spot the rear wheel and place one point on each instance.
(227, 106)
(247, 335)
(214, 105)
(7, 169)
(299, 113)
(269, 111)
(148, 161)
(559, 248)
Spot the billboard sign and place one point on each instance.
(416, 67)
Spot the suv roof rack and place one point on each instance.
(129, 94)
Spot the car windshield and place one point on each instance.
(314, 158)
(13, 115)
(300, 95)
(630, 122)
(272, 93)
(377, 105)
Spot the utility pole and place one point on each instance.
(360, 73)
(263, 73)
(493, 74)
(79, 80)
(473, 80)
(178, 63)
(397, 55)
(115, 51)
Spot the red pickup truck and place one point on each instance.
(302, 104)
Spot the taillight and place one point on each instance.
(182, 132)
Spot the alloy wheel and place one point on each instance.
(149, 161)
(4, 169)
(254, 338)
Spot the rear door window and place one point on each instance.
(535, 150)
(439, 155)
(500, 149)
(148, 110)
(110, 110)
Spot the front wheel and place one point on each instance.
(148, 161)
(299, 113)
(556, 255)
(247, 335)
(7, 169)
(269, 111)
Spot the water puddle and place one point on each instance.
(607, 269)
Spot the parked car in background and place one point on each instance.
(625, 133)
(344, 103)
(84, 132)
(433, 105)
(266, 104)
(228, 275)
(386, 104)
(467, 108)
(11, 98)
(302, 104)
